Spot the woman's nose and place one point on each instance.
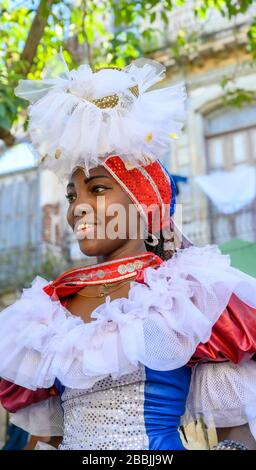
(81, 209)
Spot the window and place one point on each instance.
(230, 136)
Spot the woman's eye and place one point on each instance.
(70, 198)
(98, 189)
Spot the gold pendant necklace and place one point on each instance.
(104, 289)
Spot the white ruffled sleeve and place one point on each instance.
(223, 394)
(159, 325)
(41, 419)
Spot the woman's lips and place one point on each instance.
(85, 230)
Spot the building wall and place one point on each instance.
(20, 224)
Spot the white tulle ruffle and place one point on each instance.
(159, 325)
(82, 134)
(41, 419)
(235, 407)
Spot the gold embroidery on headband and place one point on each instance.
(111, 101)
(113, 67)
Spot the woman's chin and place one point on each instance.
(100, 247)
(90, 247)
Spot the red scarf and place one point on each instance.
(103, 273)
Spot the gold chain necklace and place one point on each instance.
(104, 289)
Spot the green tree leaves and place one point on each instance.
(99, 31)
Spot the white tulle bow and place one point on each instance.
(69, 126)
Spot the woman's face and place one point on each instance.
(100, 213)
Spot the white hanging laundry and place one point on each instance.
(230, 191)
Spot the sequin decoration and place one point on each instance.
(148, 187)
(149, 137)
(109, 416)
(129, 268)
(100, 273)
(107, 102)
(122, 269)
(111, 101)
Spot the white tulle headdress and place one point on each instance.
(79, 117)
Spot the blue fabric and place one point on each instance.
(173, 189)
(165, 394)
(17, 440)
(165, 398)
(59, 386)
(180, 179)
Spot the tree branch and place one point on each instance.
(35, 34)
(7, 137)
(84, 14)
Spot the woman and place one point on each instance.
(103, 355)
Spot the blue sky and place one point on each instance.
(19, 157)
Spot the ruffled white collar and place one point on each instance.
(159, 325)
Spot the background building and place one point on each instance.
(215, 69)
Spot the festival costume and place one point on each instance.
(181, 345)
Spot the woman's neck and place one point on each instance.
(131, 248)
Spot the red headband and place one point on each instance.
(149, 188)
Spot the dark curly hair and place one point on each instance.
(167, 247)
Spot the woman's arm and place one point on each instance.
(14, 397)
(53, 441)
(241, 434)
